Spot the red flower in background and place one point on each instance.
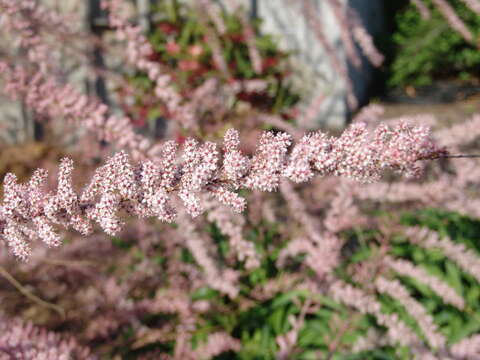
(180, 138)
(269, 62)
(167, 28)
(237, 37)
(195, 50)
(189, 65)
(141, 119)
(292, 113)
(173, 48)
(154, 57)
(232, 66)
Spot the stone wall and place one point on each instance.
(315, 71)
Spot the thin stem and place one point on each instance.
(68, 263)
(454, 156)
(461, 156)
(27, 293)
(347, 326)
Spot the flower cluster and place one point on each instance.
(146, 189)
(29, 26)
(473, 4)
(425, 321)
(398, 331)
(68, 103)
(19, 340)
(465, 258)
(405, 268)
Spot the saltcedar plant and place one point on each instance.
(198, 274)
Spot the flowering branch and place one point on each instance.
(147, 188)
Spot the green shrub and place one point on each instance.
(431, 49)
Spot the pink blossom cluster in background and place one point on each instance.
(19, 340)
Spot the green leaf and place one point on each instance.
(277, 320)
(454, 277)
(287, 297)
(243, 65)
(186, 33)
(204, 293)
(473, 296)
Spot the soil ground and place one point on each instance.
(448, 102)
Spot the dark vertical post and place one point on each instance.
(95, 21)
(253, 9)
